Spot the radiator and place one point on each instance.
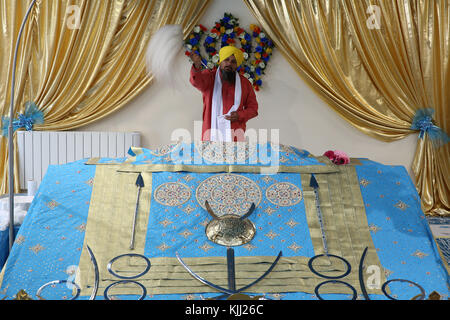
(38, 149)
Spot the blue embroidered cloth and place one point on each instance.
(49, 242)
(182, 230)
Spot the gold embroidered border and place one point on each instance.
(344, 218)
(168, 276)
(228, 168)
(127, 166)
(110, 219)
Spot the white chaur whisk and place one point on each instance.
(161, 56)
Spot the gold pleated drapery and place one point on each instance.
(375, 63)
(80, 60)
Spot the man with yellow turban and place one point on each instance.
(229, 100)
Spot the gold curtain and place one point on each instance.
(375, 63)
(80, 60)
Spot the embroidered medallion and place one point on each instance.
(292, 223)
(81, 227)
(19, 240)
(249, 246)
(52, 204)
(364, 182)
(188, 178)
(37, 248)
(172, 194)
(419, 254)
(163, 247)
(90, 182)
(267, 179)
(165, 222)
(295, 247)
(186, 234)
(401, 205)
(272, 235)
(277, 296)
(205, 247)
(269, 210)
(387, 272)
(228, 194)
(189, 209)
(374, 228)
(284, 194)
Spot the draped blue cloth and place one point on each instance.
(49, 243)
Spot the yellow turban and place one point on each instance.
(227, 51)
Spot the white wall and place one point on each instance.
(285, 103)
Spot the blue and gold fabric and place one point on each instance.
(206, 156)
(365, 204)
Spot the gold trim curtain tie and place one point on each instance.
(423, 121)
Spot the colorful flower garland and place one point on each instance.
(227, 32)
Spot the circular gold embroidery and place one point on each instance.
(284, 194)
(172, 194)
(228, 194)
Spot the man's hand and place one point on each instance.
(234, 116)
(197, 60)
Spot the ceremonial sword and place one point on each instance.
(96, 273)
(224, 290)
(139, 184)
(231, 266)
(313, 183)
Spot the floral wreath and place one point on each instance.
(257, 53)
